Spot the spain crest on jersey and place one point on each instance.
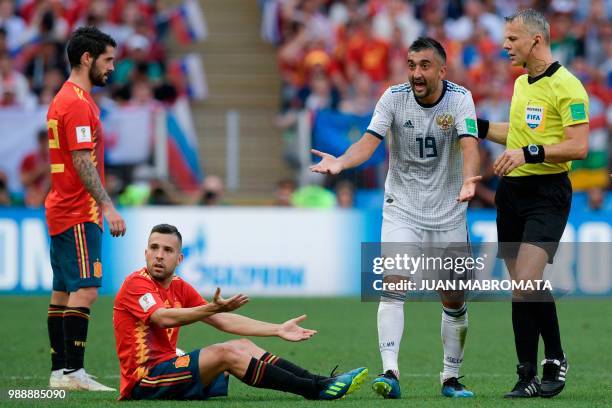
(445, 121)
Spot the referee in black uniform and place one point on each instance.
(548, 128)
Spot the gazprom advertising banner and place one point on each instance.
(259, 251)
(265, 251)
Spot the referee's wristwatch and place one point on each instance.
(533, 153)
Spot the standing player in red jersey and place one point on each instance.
(75, 206)
(151, 306)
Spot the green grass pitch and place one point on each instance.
(347, 336)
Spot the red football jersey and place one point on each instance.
(73, 123)
(140, 344)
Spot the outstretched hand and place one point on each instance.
(468, 189)
(328, 165)
(291, 331)
(228, 305)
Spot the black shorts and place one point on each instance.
(532, 209)
(76, 258)
(179, 379)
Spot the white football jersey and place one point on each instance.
(426, 163)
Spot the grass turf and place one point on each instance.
(347, 336)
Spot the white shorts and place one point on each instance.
(433, 247)
(394, 231)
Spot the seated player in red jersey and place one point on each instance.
(151, 306)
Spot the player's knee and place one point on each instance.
(452, 299)
(525, 295)
(230, 350)
(242, 344)
(84, 297)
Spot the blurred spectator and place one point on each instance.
(50, 57)
(595, 32)
(13, 25)
(320, 94)
(313, 197)
(344, 11)
(397, 15)
(3, 43)
(5, 197)
(475, 16)
(564, 38)
(14, 88)
(345, 194)
(595, 198)
(52, 82)
(142, 95)
(366, 53)
(164, 193)
(282, 193)
(212, 191)
(136, 64)
(309, 14)
(46, 21)
(606, 67)
(35, 174)
(398, 73)
(98, 16)
(361, 99)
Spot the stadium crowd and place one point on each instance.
(343, 54)
(33, 66)
(332, 54)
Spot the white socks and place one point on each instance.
(390, 330)
(453, 331)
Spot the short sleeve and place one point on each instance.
(383, 115)
(465, 122)
(572, 102)
(79, 126)
(141, 299)
(191, 296)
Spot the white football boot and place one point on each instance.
(80, 380)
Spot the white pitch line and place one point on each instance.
(26, 377)
(414, 375)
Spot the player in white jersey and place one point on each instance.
(433, 172)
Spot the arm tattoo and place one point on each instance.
(89, 176)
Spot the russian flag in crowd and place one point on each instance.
(188, 22)
(190, 69)
(183, 164)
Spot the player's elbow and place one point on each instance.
(161, 319)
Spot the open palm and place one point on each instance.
(291, 331)
(328, 165)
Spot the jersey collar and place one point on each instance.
(548, 73)
(431, 105)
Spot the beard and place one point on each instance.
(428, 90)
(159, 275)
(97, 77)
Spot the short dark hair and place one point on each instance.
(168, 229)
(87, 39)
(428, 43)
